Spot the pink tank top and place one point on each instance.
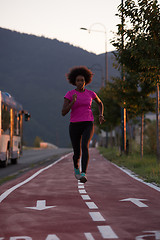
(81, 109)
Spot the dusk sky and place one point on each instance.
(62, 19)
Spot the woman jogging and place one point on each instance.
(81, 126)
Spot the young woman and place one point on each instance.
(81, 126)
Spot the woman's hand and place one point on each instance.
(68, 104)
(74, 97)
(101, 109)
(101, 119)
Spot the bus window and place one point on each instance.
(5, 119)
(16, 124)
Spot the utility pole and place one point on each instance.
(123, 109)
(157, 122)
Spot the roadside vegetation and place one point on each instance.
(135, 144)
(146, 168)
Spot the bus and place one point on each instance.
(11, 125)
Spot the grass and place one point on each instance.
(147, 168)
(8, 178)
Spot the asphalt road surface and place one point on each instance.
(32, 158)
(48, 203)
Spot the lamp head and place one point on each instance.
(84, 29)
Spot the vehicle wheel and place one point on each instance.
(5, 162)
(14, 160)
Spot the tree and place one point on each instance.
(37, 141)
(112, 110)
(136, 98)
(141, 51)
(150, 140)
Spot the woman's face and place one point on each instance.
(80, 82)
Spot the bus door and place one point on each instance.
(15, 134)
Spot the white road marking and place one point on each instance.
(85, 197)
(136, 201)
(80, 183)
(41, 205)
(82, 191)
(96, 216)
(131, 174)
(89, 236)
(6, 193)
(52, 237)
(154, 234)
(91, 205)
(20, 237)
(81, 186)
(107, 232)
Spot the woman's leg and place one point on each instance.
(86, 137)
(75, 136)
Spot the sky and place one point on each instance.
(62, 20)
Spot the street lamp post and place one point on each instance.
(98, 67)
(106, 57)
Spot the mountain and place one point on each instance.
(32, 69)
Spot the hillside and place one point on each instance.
(32, 69)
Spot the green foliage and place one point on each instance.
(134, 98)
(141, 49)
(150, 138)
(147, 168)
(138, 50)
(37, 141)
(139, 53)
(112, 112)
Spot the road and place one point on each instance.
(48, 203)
(32, 158)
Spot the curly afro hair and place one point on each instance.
(76, 71)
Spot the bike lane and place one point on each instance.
(52, 205)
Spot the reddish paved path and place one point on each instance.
(92, 211)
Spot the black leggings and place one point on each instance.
(81, 134)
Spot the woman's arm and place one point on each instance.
(101, 109)
(68, 104)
